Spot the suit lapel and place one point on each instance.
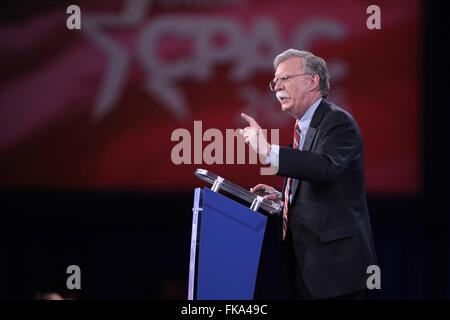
(311, 134)
(285, 181)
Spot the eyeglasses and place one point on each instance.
(274, 82)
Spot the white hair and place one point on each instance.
(312, 65)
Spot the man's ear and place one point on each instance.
(315, 79)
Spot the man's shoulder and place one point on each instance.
(335, 114)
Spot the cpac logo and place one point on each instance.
(241, 50)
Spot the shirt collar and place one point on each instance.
(305, 120)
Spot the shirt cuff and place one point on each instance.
(274, 155)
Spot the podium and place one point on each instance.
(228, 226)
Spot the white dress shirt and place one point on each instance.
(304, 123)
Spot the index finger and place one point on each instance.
(252, 122)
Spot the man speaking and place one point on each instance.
(325, 228)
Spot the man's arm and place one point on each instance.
(339, 141)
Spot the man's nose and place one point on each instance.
(279, 86)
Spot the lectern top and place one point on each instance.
(219, 183)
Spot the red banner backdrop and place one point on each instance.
(96, 107)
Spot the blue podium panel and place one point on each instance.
(230, 241)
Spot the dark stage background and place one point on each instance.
(85, 170)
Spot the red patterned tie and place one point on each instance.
(287, 190)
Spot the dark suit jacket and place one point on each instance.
(328, 215)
